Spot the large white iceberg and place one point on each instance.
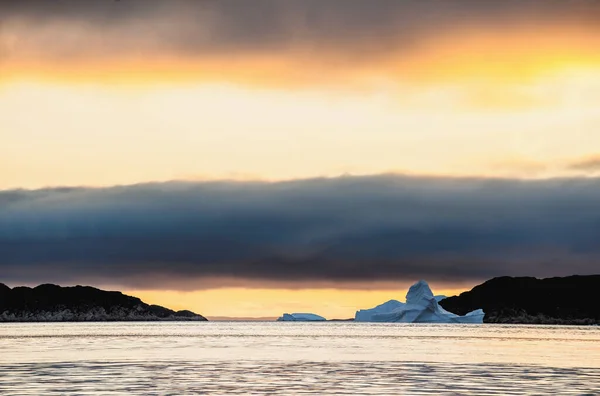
(366, 315)
(300, 317)
(421, 307)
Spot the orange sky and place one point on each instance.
(272, 302)
(517, 56)
(516, 103)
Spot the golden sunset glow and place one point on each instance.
(189, 132)
(494, 57)
(273, 302)
(486, 104)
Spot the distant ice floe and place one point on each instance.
(301, 317)
(421, 307)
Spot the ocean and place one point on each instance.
(192, 358)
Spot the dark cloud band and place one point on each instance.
(340, 28)
(350, 229)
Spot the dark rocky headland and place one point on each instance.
(571, 300)
(51, 303)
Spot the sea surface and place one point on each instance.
(297, 358)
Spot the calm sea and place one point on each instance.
(297, 358)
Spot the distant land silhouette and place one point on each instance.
(524, 300)
(570, 300)
(52, 303)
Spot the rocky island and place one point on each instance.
(567, 301)
(51, 303)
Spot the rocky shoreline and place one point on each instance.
(553, 301)
(51, 303)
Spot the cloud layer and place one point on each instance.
(344, 230)
(336, 35)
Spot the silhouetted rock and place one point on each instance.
(51, 303)
(569, 300)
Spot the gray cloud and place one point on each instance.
(349, 229)
(346, 28)
(591, 164)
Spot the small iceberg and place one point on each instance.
(421, 307)
(301, 317)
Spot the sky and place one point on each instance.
(246, 158)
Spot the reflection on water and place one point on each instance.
(297, 358)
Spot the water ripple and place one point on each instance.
(300, 358)
(279, 378)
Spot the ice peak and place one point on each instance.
(419, 293)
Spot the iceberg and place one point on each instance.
(301, 317)
(421, 307)
(366, 315)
